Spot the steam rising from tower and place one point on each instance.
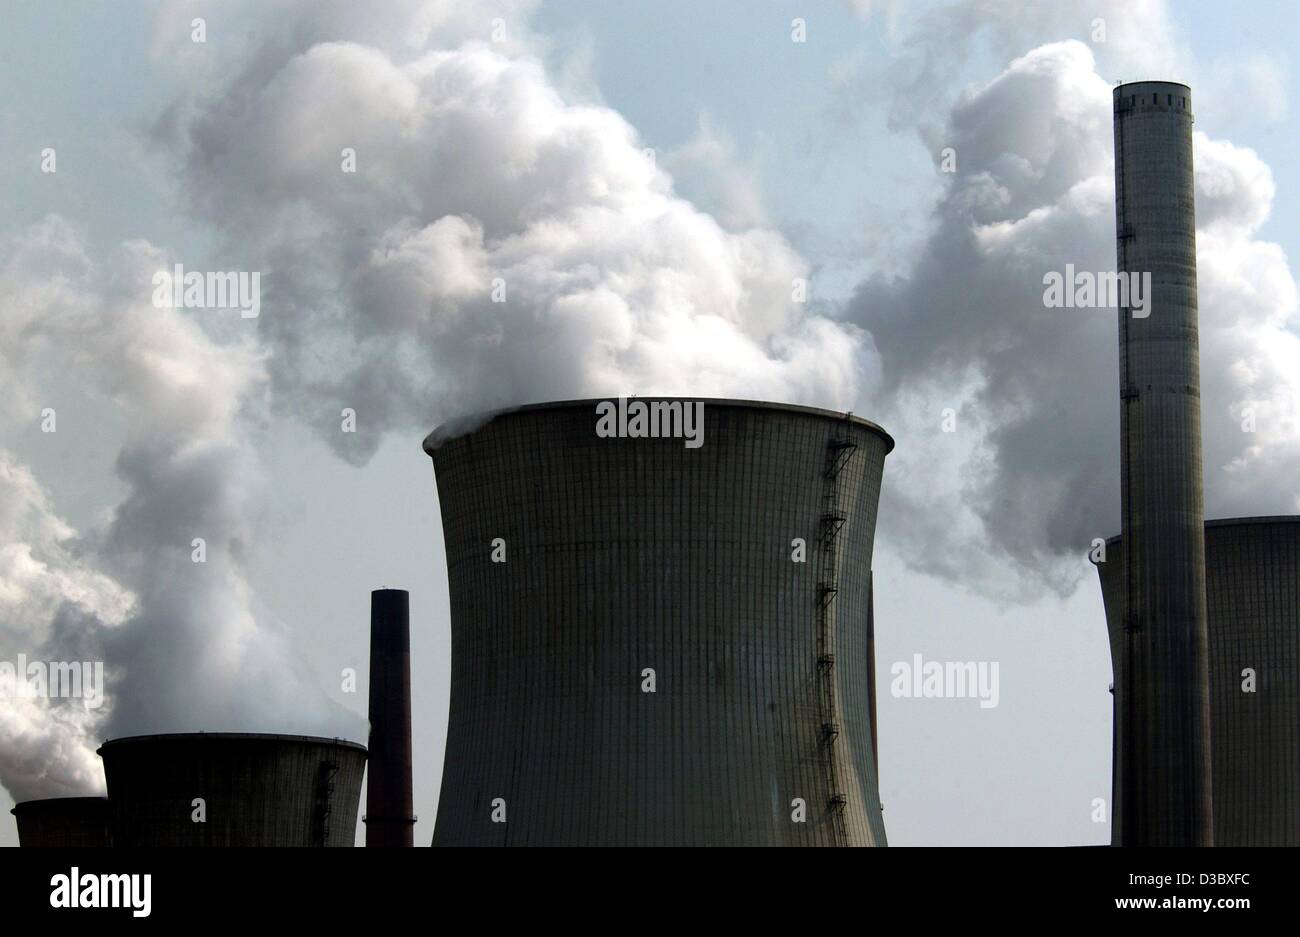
(1162, 772)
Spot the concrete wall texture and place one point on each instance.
(1162, 679)
(63, 821)
(624, 555)
(258, 790)
(1253, 591)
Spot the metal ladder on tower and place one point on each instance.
(325, 774)
(839, 450)
(1130, 622)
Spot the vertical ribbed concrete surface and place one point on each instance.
(63, 821)
(258, 790)
(1161, 677)
(1253, 592)
(627, 555)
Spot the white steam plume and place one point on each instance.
(181, 641)
(1010, 502)
(495, 245)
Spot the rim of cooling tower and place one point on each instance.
(1234, 521)
(1152, 81)
(228, 737)
(461, 426)
(38, 803)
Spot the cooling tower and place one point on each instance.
(256, 790)
(63, 821)
(656, 643)
(389, 818)
(1253, 587)
(1163, 706)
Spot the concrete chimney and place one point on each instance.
(1163, 788)
(389, 820)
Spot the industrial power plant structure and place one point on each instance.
(389, 818)
(209, 789)
(1253, 586)
(253, 790)
(658, 640)
(663, 634)
(1161, 678)
(242, 789)
(1203, 618)
(63, 821)
(580, 565)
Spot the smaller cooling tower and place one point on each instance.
(255, 790)
(63, 821)
(389, 818)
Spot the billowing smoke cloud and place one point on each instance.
(946, 37)
(45, 588)
(1009, 498)
(495, 245)
(182, 643)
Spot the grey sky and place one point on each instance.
(804, 142)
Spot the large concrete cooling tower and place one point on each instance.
(660, 644)
(256, 790)
(1253, 588)
(1162, 683)
(63, 821)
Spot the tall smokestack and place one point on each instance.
(1163, 773)
(389, 821)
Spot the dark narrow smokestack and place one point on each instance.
(389, 821)
(1162, 678)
